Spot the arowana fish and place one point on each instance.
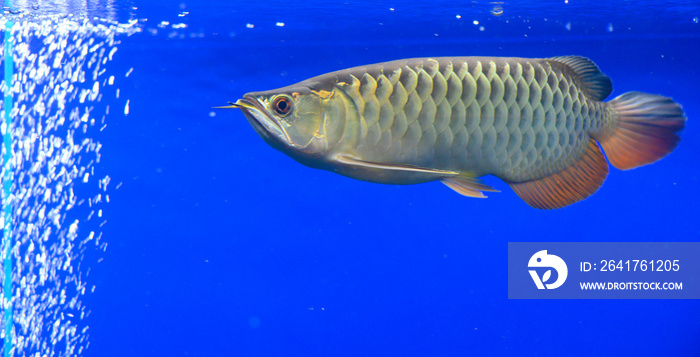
(537, 124)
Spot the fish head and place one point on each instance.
(300, 121)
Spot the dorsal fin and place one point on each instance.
(597, 85)
(568, 186)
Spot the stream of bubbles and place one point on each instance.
(55, 191)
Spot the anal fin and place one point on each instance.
(568, 186)
(467, 185)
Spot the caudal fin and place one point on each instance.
(647, 130)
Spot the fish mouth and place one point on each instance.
(263, 123)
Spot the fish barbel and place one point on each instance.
(534, 123)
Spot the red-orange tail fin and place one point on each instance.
(647, 130)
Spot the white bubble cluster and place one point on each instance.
(60, 76)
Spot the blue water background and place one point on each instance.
(221, 246)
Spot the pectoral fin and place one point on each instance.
(468, 185)
(348, 160)
(464, 183)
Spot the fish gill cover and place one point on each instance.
(55, 75)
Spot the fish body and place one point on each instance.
(534, 123)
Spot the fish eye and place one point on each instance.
(282, 105)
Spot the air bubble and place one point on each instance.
(497, 10)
